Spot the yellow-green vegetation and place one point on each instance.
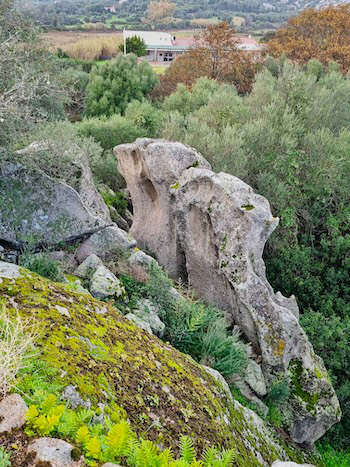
(163, 394)
(94, 48)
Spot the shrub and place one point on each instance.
(145, 117)
(110, 132)
(105, 170)
(115, 83)
(42, 264)
(116, 200)
(134, 45)
(16, 339)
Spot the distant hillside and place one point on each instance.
(117, 14)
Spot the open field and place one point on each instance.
(65, 39)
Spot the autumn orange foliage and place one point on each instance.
(215, 54)
(320, 34)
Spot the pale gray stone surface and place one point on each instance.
(12, 412)
(105, 284)
(55, 451)
(42, 208)
(106, 244)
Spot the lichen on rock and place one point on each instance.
(109, 360)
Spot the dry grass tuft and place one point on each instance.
(16, 340)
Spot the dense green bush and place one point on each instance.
(115, 83)
(146, 117)
(134, 45)
(110, 132)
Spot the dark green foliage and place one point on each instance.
(225, 353)
(147, 118)
(105, 170)
(279, 392)
(134, 45)
(117, 82)
(192, 327)
(110, 132)
(332, 458)
(117, 200)
(42, 264)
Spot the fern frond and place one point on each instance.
(227, 457)
(118, 438)
(209, 455)
(187, 450)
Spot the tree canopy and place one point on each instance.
(321, 34)
(215, 55)
(134, 45)
(112, 85)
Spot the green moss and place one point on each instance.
(176, 186)
(111, 361)
(298, 374)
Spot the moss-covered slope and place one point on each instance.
(164, 393)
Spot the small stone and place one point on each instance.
(71, 395)
(12, 413)
(139, 322)
(9, 270)
(147, 312)
(54, 451)
(255, 378)
(62, 310)
(88, 267)
(110, 464)
(105, 284)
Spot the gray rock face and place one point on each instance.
(53, 451)
(147, 312)
(41, 208)
(71, 395)
(12, 413)
(218, 376)
(105, 244)
(88, 267)
(212, 229)
(255, 378)
(139, 322)
(150, 167)
(105, 284)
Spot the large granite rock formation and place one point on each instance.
(37, 208)
(212, 228)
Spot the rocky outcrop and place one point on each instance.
(103, 357)
(212, 229)
(43, 210)
(150, 168)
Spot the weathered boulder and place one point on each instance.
(12, 412)
(53, 452)
(106, 358)
(104, 284)
(148, 312)
(83, 179)
(212, 229)
(41, 208)
(139, 322)
(105, 244)
(149, 168)
(87, 268)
